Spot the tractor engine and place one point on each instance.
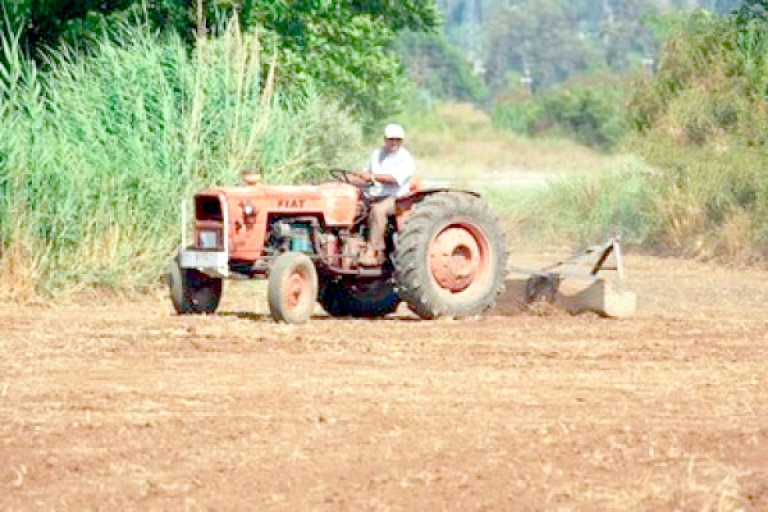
(292, 235)
(335, 249)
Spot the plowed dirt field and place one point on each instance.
(122, 405)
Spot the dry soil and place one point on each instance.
(121, 405)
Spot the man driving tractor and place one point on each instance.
(448, 259)
(386, 177)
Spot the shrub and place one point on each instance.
(591, 113)
(591, 207)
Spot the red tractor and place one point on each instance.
(446, 254)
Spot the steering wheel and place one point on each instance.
(340, 174)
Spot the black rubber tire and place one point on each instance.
(192, 292)
(416, 284)
(372, 299)
(285, 268)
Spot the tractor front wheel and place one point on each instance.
(451, 256)
(292, 288)
(192, 292)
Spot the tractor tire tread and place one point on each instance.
(415, 284)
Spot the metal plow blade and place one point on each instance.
(578, 284)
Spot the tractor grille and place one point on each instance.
(208, 209)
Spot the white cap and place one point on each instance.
(394, 131)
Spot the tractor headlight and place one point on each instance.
(208, 239)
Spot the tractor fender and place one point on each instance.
(404, 203)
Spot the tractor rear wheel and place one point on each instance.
(451, 256)
(292, 288)
(192, 292)
(371, 299)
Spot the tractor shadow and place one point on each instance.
(265, 317)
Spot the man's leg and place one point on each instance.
(380, 213)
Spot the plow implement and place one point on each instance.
(592, 280)
(446, 256)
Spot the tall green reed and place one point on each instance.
(97, 153)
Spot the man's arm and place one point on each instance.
(359, 179)
(369, 177)
(366, 176)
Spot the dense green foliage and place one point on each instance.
(709, 84)
(707, 106)
(552, 40)
(589, 111)
(574, 56)
(590, 208)
(542, 41)
(98, 153)
(346, 47)
(438, 69)
(343, 47)
(701, 126)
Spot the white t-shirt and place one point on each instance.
(398, 164)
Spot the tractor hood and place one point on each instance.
(336, 203)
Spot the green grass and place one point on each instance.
(587, 209)
(691, 202)
(97, 154)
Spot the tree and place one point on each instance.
(535, 35)
(438, 67)
(624, 32)
(752, 10)
(345, 46)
